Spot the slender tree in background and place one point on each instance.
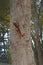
(20, 43)
(36, 14)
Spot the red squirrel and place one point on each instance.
(18, 28)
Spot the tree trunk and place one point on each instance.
(20, 43)
(36, 28)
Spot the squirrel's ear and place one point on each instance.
(14, 23)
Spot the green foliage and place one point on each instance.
(41, 17)
(8, 54)
(9, 57)
(4, 12)
(4, 7)
(4, 3)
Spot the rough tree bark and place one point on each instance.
(20, 43)
(36, 28)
